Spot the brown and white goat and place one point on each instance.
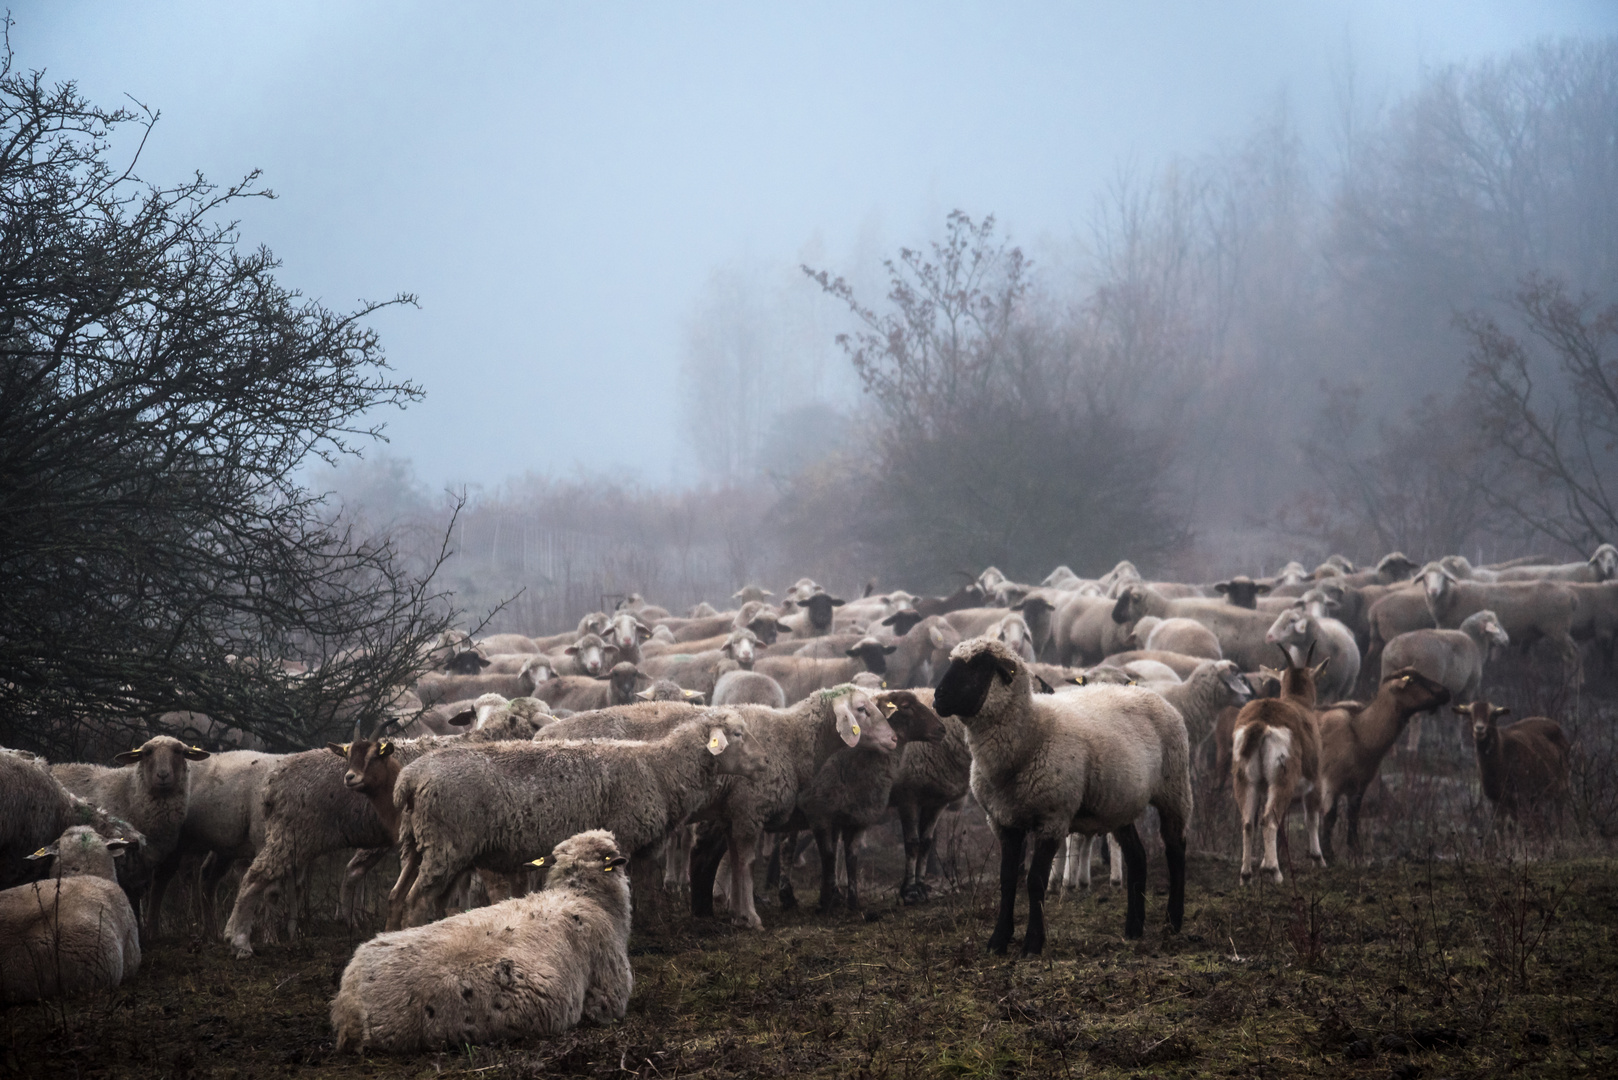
(1276, 758)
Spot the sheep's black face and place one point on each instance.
(466, 663)
(966, 684)
(819, 607)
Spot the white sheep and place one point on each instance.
(1051, 764)
(35, 809)
(748, 688)
(152, 796)
(72, 932)
(536, 965)
(492, 806)
(1301, 633)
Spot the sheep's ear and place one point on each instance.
(615, 862)
(643, 631)
(1006, 669)
(694, 696)
(1222, 587)
(129, 757)
(936, 636)
(46, 852)
(836, 602)
(340, 749)
(1043, 686)
(464, 718)
(1499, 710)
(717, 741)
(194, 753)
(888, 650)
(571, 650)
(848, 728)
(384, 750)
(116, 846)
(644, 695)
(1261, 589)
(541, 861)
(1080, 680)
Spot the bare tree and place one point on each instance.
(1548, 409)
(159, 391)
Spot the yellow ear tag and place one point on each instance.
(713, 744)
(855, 728)
(537, 862)
(41, 853)
(196, 748)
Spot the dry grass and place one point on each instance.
(1431, 966)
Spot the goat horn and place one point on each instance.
(1311, 656)
(1284, 653)
(357, 735)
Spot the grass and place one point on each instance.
(1430, 966)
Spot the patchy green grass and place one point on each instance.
(1414, 967)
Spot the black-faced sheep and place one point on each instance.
(1051, 764)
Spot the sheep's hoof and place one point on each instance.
(1247, 877)
(747, 922)
(997, 944)
(241, 950)
(1318, 860)
(1276, 875)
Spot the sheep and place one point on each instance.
(582, 692)
(851, 791)
(224, 818)
(1212, 687)
(669, 690)
(433, 688)
(308, 811)
(513, 663)
(701, 670)
(753, 615)
(536, 965)
(73, 932)
(1300, 633)
(1061, 578)
(152, 796)
(1601, 566)
(1596, 617)
(1524, 765)
(702, 610)
(1240, 631)
(626, 631)
(751, 594)
(801, 676)
(748, 688)
(1398, 610)
(921, 649)
(1452, 658)
(1053, 764)
(1529, 611)
(1275, 754)
(662, 635)
(1242, 591)
(35, 809)
(1184, 636)
(932, 776)
(1354, 739)
(815, 620)
(492, 806)
(1079, 629)
(508, 643)
(592, 623)
(1179, 663)
(591, 654)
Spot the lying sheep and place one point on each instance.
(545, 791)
(35, 809)
(536, 965)
(73, 932)
(1049, 765)
(1179, 663)
(748, 688)
(152, 796)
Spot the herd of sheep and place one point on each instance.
(651, 750)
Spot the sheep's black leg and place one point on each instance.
(928, 826)
(772, 874)
(826, 844)
(706, 853)
(1011, 852)
(1134, 879)
(1174, 851)
(1039, 875)
(907, 824)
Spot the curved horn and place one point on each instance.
(1308, 659)
(357, 736)
(1284, 653)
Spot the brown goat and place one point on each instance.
(1355, 738)
(1276, 754)
(1522, 765)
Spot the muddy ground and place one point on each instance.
(1433, 965)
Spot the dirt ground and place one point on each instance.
(1415, 966)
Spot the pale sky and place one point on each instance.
(557, 182)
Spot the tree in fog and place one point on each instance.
(159, 390)
(1003, 434)
(1545, 386)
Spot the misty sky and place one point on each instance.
(558, 182)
